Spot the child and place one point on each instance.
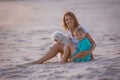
(82, 46)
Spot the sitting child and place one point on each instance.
(82, 46)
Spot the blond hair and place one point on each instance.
(79, 29)
(74, 18)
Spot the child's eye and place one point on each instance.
(76, 35)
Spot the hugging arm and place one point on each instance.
(80, 55)
(92, 42)
(93, 45)
(83, 50)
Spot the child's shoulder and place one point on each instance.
(86, 40)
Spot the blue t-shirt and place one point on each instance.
(83, 45)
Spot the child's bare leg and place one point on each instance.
(50, 53)
(67, 53)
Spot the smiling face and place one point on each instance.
(69, 21)
(79, 33)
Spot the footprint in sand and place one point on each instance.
(75, 77)
(10, 71)
(118, 53)
(26, 59)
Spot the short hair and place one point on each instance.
(79, 29)
(74, 18)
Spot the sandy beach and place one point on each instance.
(25, 29)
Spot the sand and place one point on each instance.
(25, 29)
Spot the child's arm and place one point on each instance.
(93, 45)
(92, 42)
(84, 48)
(80, 55)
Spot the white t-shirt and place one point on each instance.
(74, 40)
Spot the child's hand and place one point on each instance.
(87, 52)
(83, 54)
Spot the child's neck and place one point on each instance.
(82, 39)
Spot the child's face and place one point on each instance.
(69, 21)
(79, 35)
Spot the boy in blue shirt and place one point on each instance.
(82, 46)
